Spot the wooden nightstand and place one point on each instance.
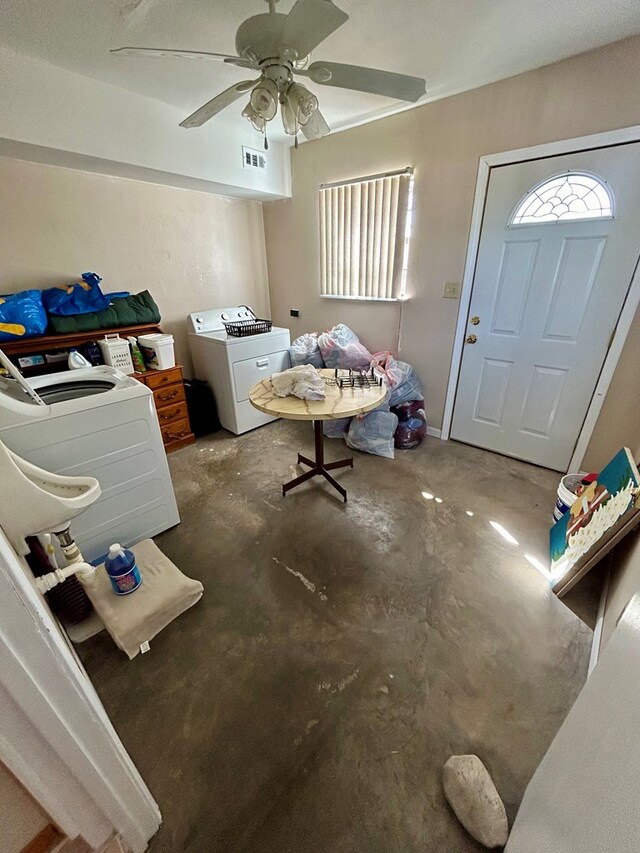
(171, 405)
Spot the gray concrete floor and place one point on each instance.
(341, 653)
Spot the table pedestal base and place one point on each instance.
(318, 468)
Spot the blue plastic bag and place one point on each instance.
(82, 297)
(335, 427)
(22, 315)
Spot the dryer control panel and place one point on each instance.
(212, 320)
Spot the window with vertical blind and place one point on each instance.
(364, 236)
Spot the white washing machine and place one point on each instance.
(232, 366)
(99, 422)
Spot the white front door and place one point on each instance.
(546, 298)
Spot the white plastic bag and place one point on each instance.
(305, 350)
(373, 433)
(340, 347)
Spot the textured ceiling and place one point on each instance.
(454, 44)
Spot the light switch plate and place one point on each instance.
(451, 289)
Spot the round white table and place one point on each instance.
(339, 403)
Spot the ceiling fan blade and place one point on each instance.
(310, 22)
(316, 127)
(217, 104)
(180, 54)
(400, 86)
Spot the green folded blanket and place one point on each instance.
(132, 310)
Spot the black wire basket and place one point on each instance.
(244, 328)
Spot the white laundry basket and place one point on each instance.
(157, 350)
(116, 353)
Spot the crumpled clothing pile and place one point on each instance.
(303, 381)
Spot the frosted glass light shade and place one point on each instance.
(289, 122)
(264, 99)
(256, 120)
(302, 102)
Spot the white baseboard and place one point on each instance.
(436, 433)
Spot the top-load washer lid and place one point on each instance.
(14, 373)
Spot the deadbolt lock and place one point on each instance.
(472, 339)
(474, 321)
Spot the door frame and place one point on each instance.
(55, 735)
(606, 139)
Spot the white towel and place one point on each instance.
(303, 381)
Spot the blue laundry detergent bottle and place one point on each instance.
(122, 569)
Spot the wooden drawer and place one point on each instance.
(170, 414)
(175, 431)
(168, 396)
(157, 379)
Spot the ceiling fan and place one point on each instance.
(278, 46)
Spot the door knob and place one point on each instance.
(472, 339)
(474, 321)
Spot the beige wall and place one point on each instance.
(619, 422)
(624, 582)
(192, 250)
(21, 817)
(583, 797)
(444, 141)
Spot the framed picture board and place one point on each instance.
(605, 512)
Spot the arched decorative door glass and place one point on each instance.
(567, 197)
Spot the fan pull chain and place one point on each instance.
(266, 141)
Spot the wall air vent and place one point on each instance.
(252, 159)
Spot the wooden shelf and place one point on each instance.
(49, 343)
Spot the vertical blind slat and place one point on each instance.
(392, 235)
(362, 237)
(356, 200)
(371, 224)
(342, 286)
(323, 244)
(404, 186)
(335, 239)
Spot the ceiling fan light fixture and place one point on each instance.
(279, 46)
(302, 102)
(264, 99)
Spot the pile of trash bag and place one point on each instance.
(400, 422)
